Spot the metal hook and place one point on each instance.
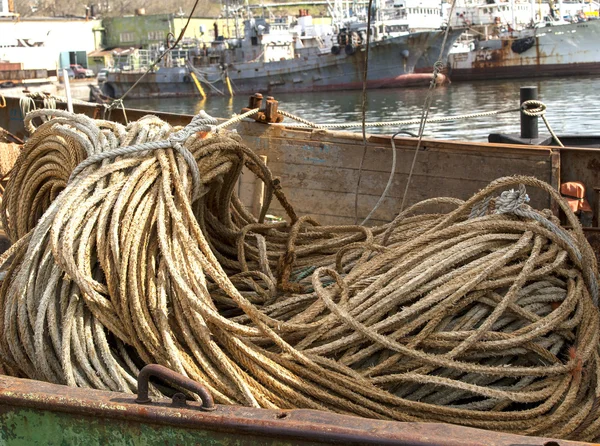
(169, 375)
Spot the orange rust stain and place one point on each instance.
(574, 356)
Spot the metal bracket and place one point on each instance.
(169, 375)
(267, 115)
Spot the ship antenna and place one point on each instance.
(364, 111)
(437, 67)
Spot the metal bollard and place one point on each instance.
(529, 124)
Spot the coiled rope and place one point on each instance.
(538, 108)
(482, 316)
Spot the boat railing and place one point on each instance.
(139, 60)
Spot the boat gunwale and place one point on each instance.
(303, 424)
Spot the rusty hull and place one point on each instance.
(85, 412)
(565, 50)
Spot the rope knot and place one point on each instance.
(511, 200)
(202, 122)
(533, 108)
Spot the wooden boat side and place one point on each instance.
(319, 169)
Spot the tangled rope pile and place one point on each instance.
(483, 316)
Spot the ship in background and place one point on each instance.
(555, 50)
(557, 40)
(491, 17)
(279, 56)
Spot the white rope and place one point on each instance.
(236, 119)
(389, 182)
(342, 125)
(305, 122)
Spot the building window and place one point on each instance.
(126, 37)
(156, 35)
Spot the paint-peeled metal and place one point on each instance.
(561, 50)
(34, 412)
(395, 62)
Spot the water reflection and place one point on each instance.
(572, 106)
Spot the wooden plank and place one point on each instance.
(373, 182)
(341, 204)
(319, 169)
(319, 178)
(482, 166)
(252, 131)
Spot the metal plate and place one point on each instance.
(34, 412)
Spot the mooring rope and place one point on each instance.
(343, 125)
(538, 109)
(479, 312)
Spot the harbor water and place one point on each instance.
(573, 106)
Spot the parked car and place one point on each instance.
(80, 72)
(102, 74)
(70, 73)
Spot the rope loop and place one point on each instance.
(438, 66)
(201, 122)
(533, 108)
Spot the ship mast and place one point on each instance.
(227, 17)
(512, 9)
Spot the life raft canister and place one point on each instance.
(521, 45)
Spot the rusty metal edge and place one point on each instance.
(302, 424)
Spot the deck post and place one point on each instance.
(529, 124)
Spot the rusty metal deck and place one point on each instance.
(34, 412)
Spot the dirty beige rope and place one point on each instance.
(482, 316)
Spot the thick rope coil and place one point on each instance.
(514, 201)
(202, 122)
(482, 316)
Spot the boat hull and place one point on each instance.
(404, 61)
(564, 50)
